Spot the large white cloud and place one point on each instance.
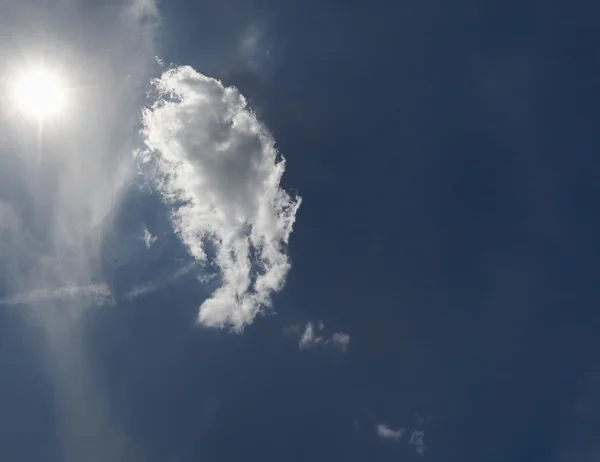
(220, 163)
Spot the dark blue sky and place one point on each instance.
(446, 154)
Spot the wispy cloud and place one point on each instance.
(309, 339)
(340, 340)
(387, 433)
(252, 46)
(149, 239)
(61, 188)
(312, 336)
(416, 437)
(142, 9)
(219, 167)
(96, 294)
(161, 281)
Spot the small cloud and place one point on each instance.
(252, 47)
(149, 239)
(340, 340)
(417, 439)
(143, 8)
(310, 339)
(387, 433)
(251, 39)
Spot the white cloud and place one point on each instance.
(340, 340)
(252, 46)
(162, 281)
(220, 162)
(149, 239)
(310, 339)
(417, 438)
(387, 433)
(97, 294)
(142, 9)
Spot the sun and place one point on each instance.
(40, 93)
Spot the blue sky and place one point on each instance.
(300, 230)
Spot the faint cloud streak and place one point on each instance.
(96, 294)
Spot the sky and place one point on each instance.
(300, 230)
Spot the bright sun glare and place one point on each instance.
(40, 93)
